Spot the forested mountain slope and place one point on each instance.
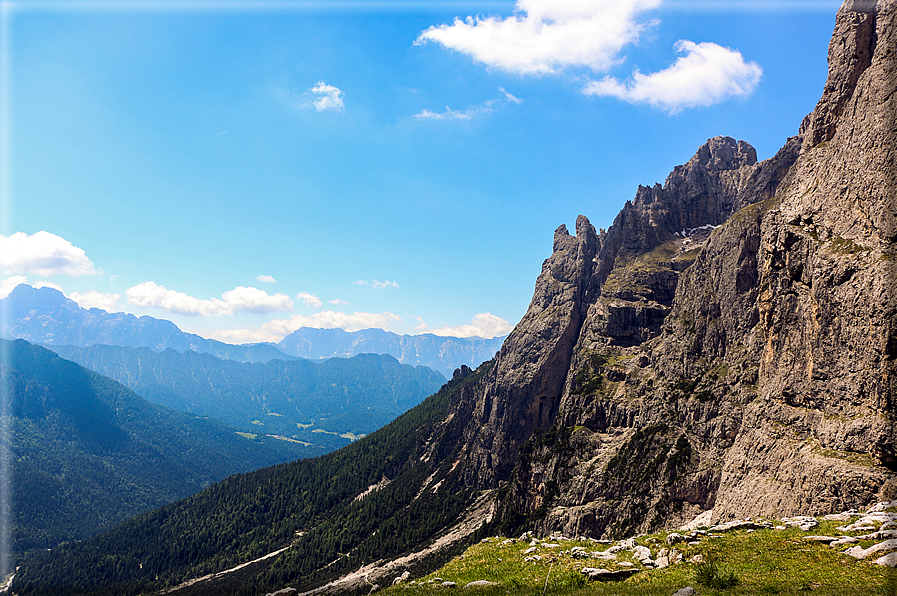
(325, 404)
(727, 346)
(87, 452)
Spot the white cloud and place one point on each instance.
(375, 283)
(509, 97)
(309, 299)
(240, 299)
(95, 299)
(43, 254)
(544, 36)
(268, 279)
(337, 301)
(47, 284)
(705, 75)
(327, 97)
(450, 114)
(482, 325)
(277, 329)
(243, 299)
(7, 285)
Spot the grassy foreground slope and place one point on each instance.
(740, 562)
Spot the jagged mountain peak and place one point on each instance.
(723, 153)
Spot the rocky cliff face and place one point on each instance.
(728, 343)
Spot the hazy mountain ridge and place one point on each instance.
(764, 385)
(444, 354)
(341, 396)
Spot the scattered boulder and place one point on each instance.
(804, 522)
(374, 588)
(844, 540)
(823, 539)
(687, 591)
(675, 538)
(858, 552)
(606, 574)
(889, 560)
(448, 584)
(480, 583)
(843, 516)
(738, 524)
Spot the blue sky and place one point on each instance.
(247, 168)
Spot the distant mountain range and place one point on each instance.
(324, 404)
(46, 316)
(87, 452)
(444, 354)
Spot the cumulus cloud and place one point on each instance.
(268, 279)
(704, 75)
(327, 97)
(7, 285)
(274, 331)
(43, 254)
(544, 36)
(337, 301)
(309, 299)
(95, 299)
(47, 284)
(240, 299)
(375, 283)
(484, 325)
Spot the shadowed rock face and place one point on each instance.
(728, 343)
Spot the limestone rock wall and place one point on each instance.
(729, 342)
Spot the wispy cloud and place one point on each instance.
(309, 299)
(706, 74)
(240, 299)
(509, 97)
(337, 301)
(327, 97)
(268, 279)
(487, 106)
(277, 329)
(376, 283)
(449, 114)
(484, 325)
(43, 254)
